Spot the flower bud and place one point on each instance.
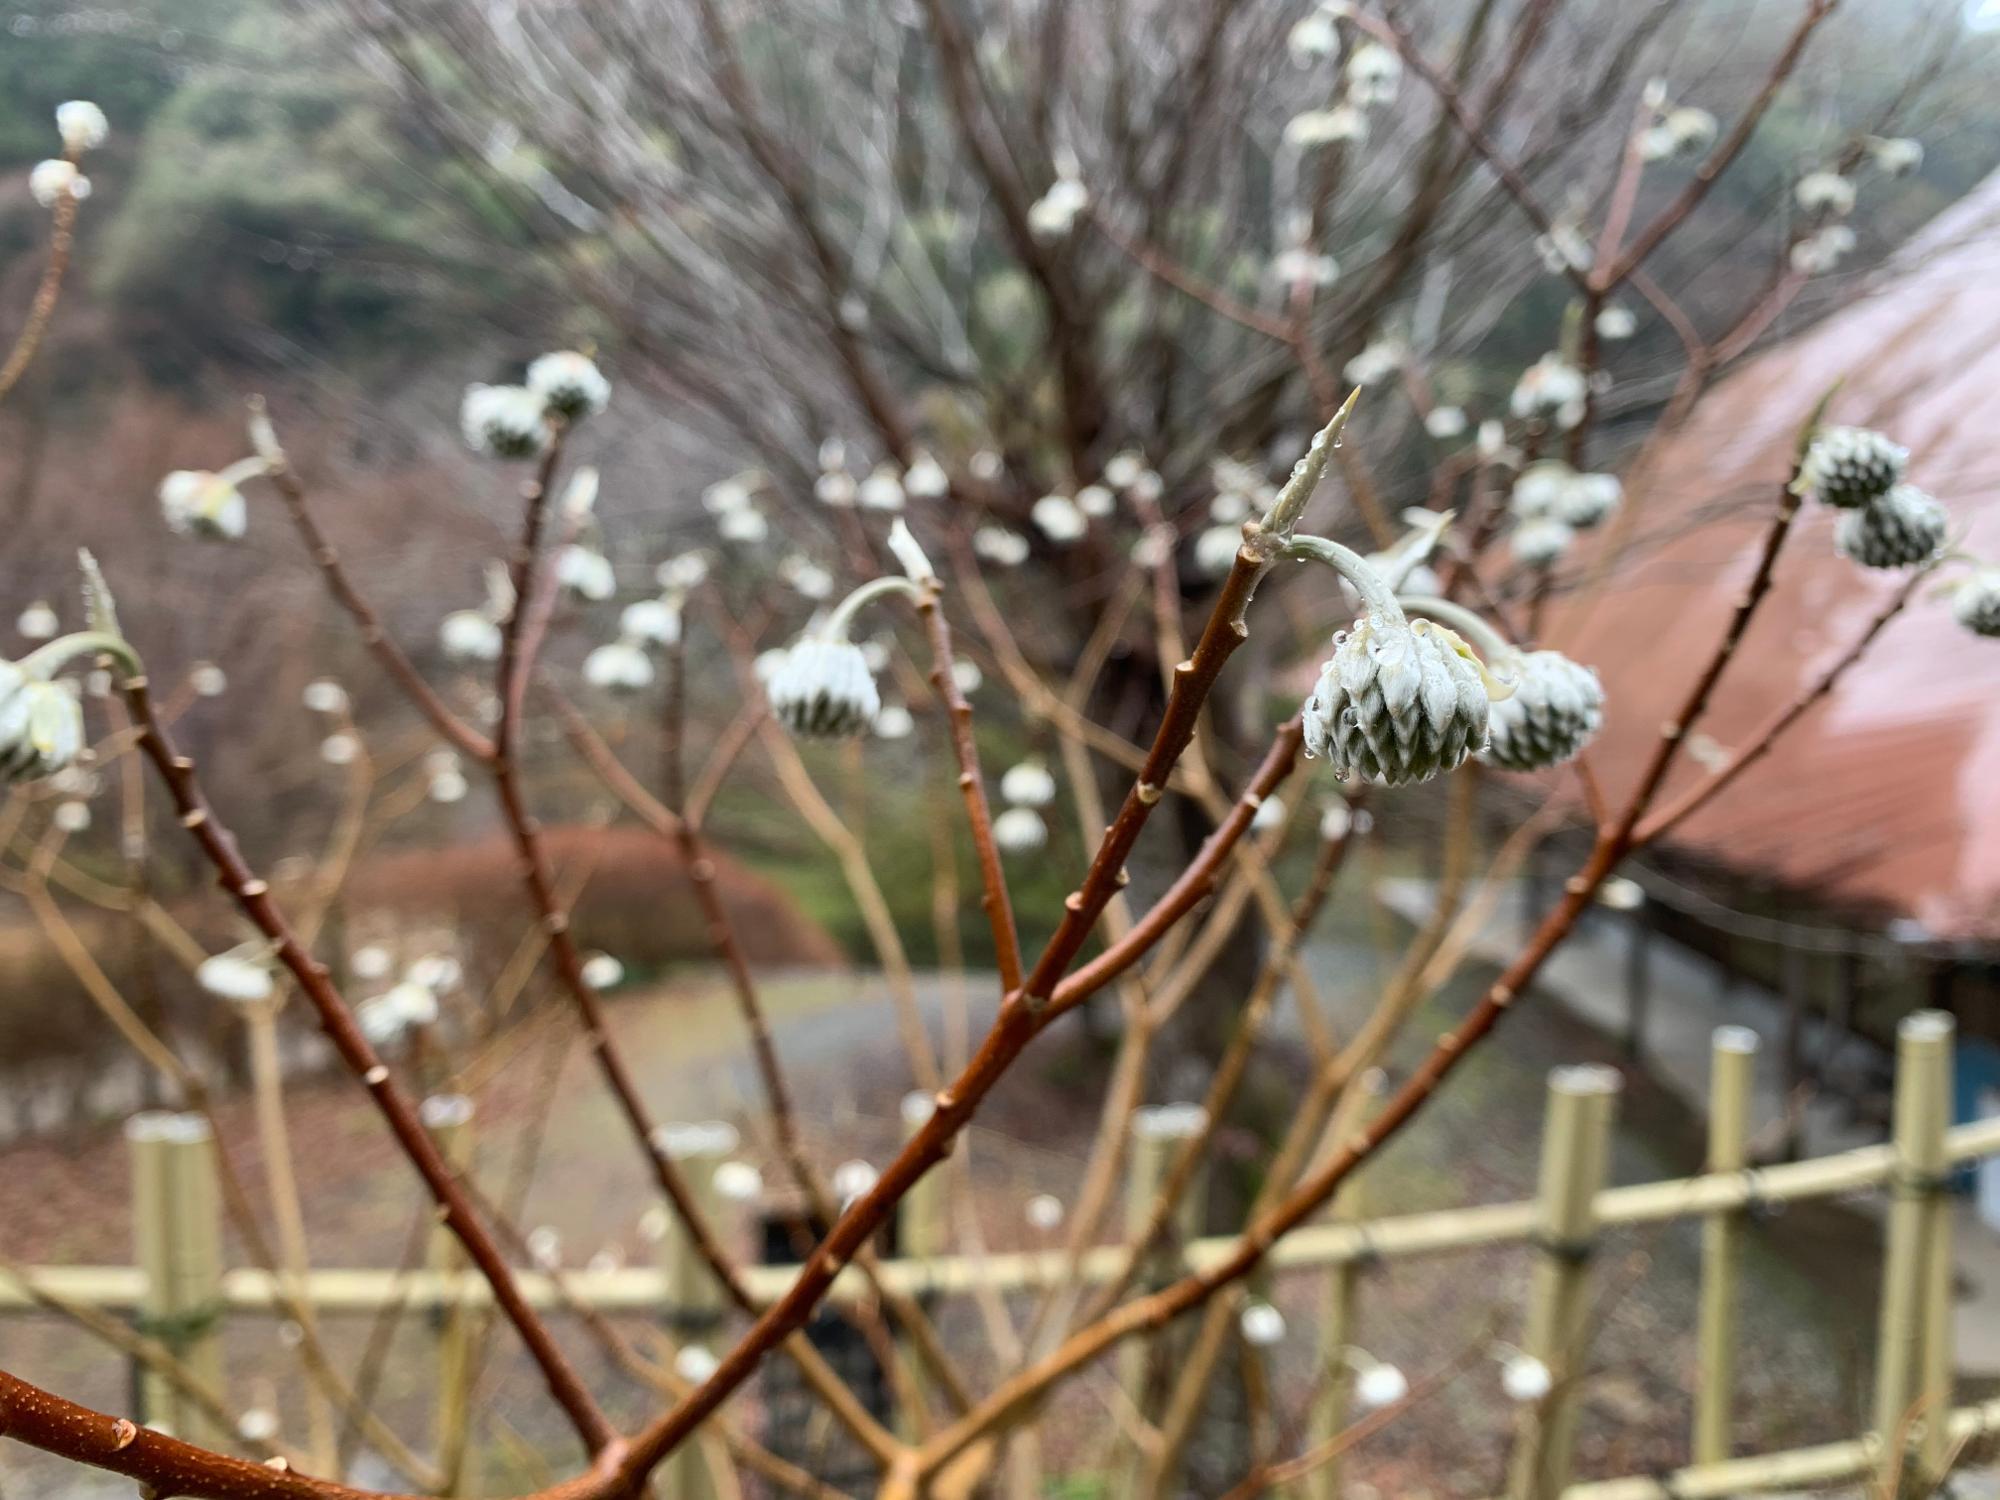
(1896, 155)
(569, 383)
(1043, 1212)
(1541, 543)
(853, 1179)
(198, 503)
(738, 1181)
(1397, 702)
(654, 621)
(41, 725)
(823, 689)
(504, 421)
(602, 972)
(1380, 1385)
(38, 621)
(1020, 830)
(1975, 604)
(622, 666)
(1262, 1324)
(1825, 192)
(881, 490)
(1550, 389)
(230, 976)
(56, 179)
(81, 125)
(468, 635)
(1028, 784)
(1899, 530)
(1215, 549)
(998, 545)
(1525, 1378)
(586, 573)
(1616, 323)
(894, 722)
(1373, 73)
(925, 479)
(1556, 709)
(324, 696)
(1058, 518)
(1850, 466)
(1053, 215)
(746, 526)
(1446, 422)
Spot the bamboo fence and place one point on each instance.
(181, 1291)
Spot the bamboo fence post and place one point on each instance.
(1913, 1347)
(1158, 1133)
(1330, 1407)
(1576, 1151)
(177, 1229)
(1731, 1080)
(448, 1118)
(695, 1298)
(922, 1232)
(922, 1225)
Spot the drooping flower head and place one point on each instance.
(1850, 466)
(41, 724)
(198, 503)
(1397, 702)
(823, 688)
(1975, 603)
(1900, 530)
(1556, 709)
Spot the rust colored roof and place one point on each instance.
(1887, 795)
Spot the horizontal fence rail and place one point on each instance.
(1394, 1237)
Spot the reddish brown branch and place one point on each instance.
(62, 236)
(374, 635)
(252, 895)
(1765, 736)
(972, 787)
(1608, 274)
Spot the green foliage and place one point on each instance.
(127, 61)
(272, 197)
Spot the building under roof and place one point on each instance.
(1880, 809)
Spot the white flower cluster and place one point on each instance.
(1551, 502)
(514, 421)
(411, 1005)
(1680, 131)
(1397, 702)
(1826, 197)
(1552, 389)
